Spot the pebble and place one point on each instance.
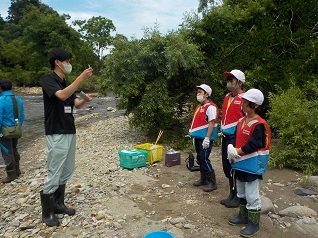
(279, 184)
(177, 220)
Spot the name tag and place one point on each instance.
(67, 109)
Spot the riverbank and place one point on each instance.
(31, 90)
(113, 202)
(28, 90)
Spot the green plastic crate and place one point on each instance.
(131, 159)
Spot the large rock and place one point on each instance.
(267, 205)
(312, 182)
(304, 192)
(307, 226)
(298, 211)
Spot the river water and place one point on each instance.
(33, 126)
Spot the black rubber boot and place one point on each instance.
(47, 203)
(202, 180)
(253, 224)
(241, 218)
(211, 181)
(235, 201)
(17, 169)
(231, 195)
(11, 175)
(59, 206)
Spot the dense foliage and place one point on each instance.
(295, 119)
(29, 33)
(155, 77)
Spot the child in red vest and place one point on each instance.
(248, 152)
(204, 131)
(231, 113)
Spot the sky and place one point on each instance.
(130, 17)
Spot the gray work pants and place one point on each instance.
(60, 152)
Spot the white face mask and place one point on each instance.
(67, 68)
(200, 98)
(231, 87)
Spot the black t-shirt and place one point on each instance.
(56, 120)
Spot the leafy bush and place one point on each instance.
(293, 118)
(155, 78)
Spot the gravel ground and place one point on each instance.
(114, 202)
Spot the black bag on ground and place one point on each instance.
(190, 163)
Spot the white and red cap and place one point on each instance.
(237, 74)
(254, 95)
(206, 88)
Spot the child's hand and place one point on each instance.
(206, 143)
(232, 154)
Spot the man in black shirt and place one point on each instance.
(59, 101)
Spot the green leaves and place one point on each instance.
(154, 77)
(96, 31)
(293, 118)
(32, 31)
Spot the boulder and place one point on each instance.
(298, 211)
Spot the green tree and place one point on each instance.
(155, 77)
(205, 5)
(2, 23)
(19, 7)
(97, 32)
(29, 37)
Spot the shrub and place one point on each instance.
(293, 118)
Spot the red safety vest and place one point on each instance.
(199, 125)
(257, 161)
(231, 113)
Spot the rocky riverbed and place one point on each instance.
(114, 202)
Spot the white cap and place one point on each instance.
(206, 88)
(254, 95)
(237, 74)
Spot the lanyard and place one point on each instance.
(229, 102)
(243, 124)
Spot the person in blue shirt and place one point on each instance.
(8, 147)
